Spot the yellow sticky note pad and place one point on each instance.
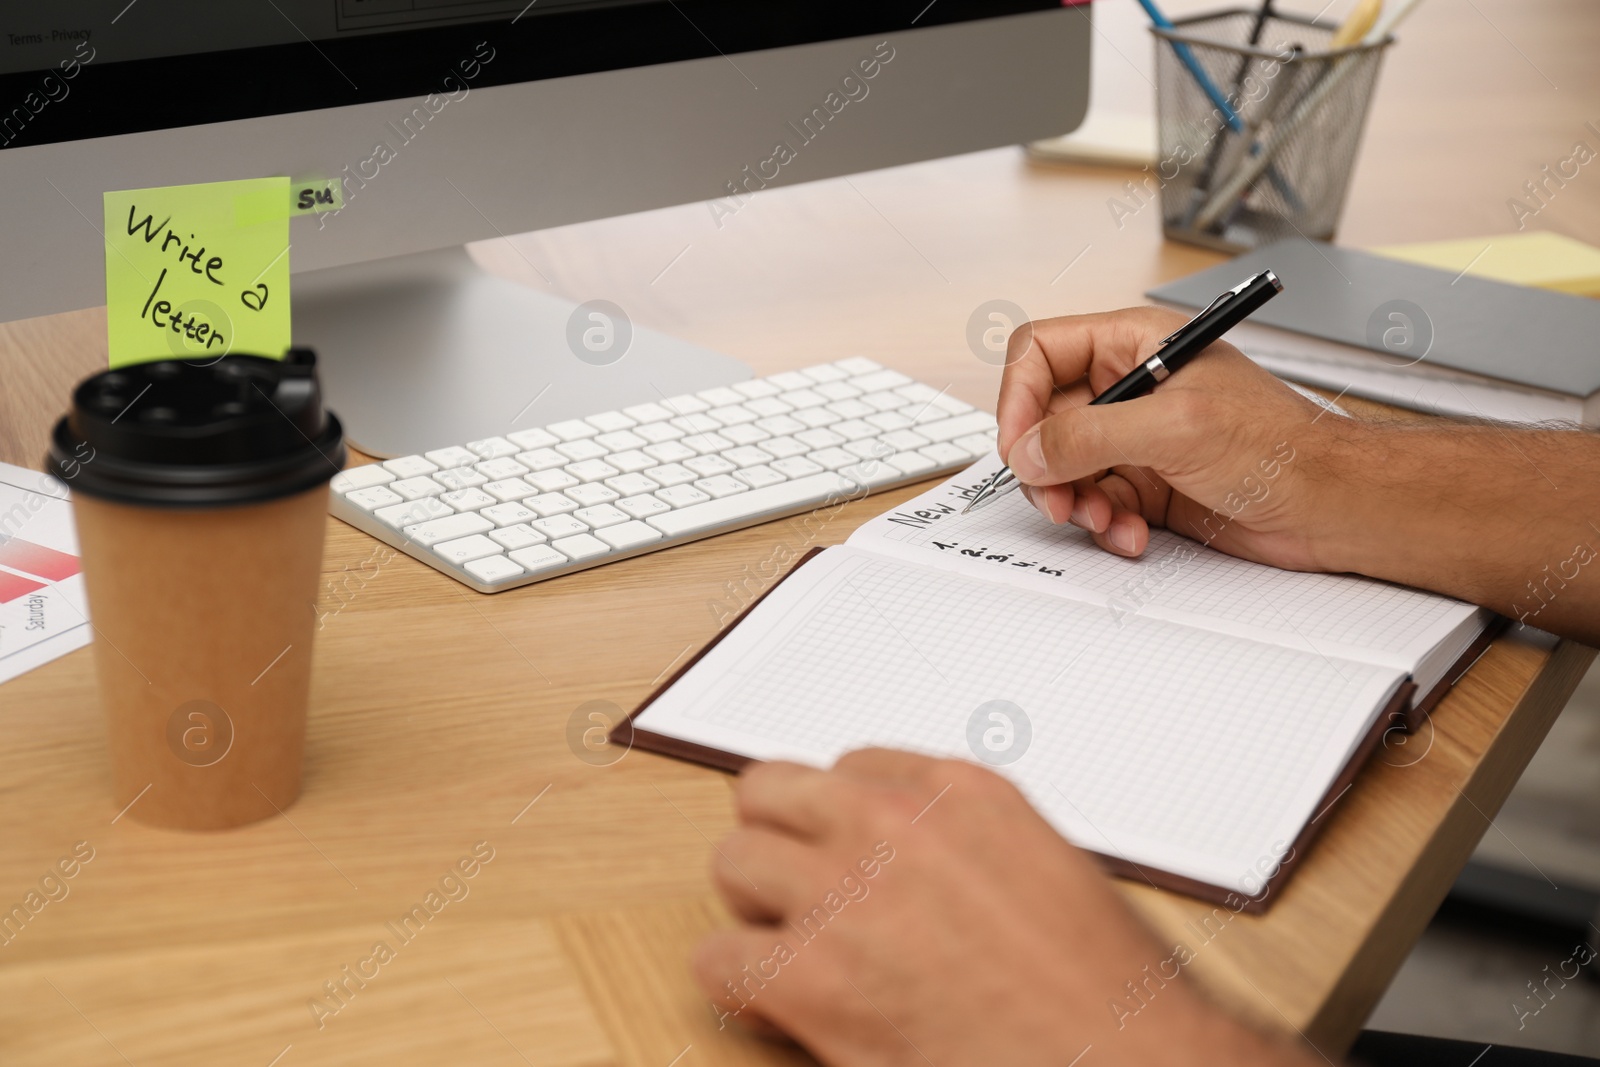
(198, 271)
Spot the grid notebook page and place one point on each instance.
(1176, 578)
(1171, 747)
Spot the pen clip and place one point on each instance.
(1208, 309)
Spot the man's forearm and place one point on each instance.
(1504, 517)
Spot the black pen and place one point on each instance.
(1175, 350)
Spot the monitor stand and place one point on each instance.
(426, 350)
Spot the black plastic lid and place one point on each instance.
(215, 433)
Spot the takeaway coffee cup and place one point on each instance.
(200, 494)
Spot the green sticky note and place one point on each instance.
(198, 271)
(315, 195)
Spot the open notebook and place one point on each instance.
(1188, 715)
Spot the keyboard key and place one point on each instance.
(493, 448)
(459, 478)
(684, 404)
(532, 439)
(857, 365)
(629, 484)
(492, 569)
(768, 406)
(826, 372)
(883, 379)
(911, 463)
(466, 549)
(501, 467)
(832, 458)
(884, 401)
(348, 481)
(742, 457)
(647, 413)
(570, 430)
(559, 526)
(748, 434)
(539, 558)
(548, 504)
(837, 390)
(409, 466)
(976, 444)
(412, 512)
(705, 443)
(917, 393)
(643, 506)
(790, 380)
(702, 423)
(733, 414)
(755, 389)
(888, 421)
(721, 486)
(592, 493)
(818, 438)
(784, 447)
(610, 421)
(374, 497)
(781, 424)
(632, 460)
(759, 477)
(815, 417)
(757, 502)
(950, 405)
(628, 535)
(467, 499)
(519, 536)
(871, 474)
(796, 467)
(581, 450)
(670, 474)
(705, 466)
(509, 489)
(448, 528)
(945, 454)
(670, 451)
(656, 432)
(454, 456)
(681, 496)
(581, 547)
(551, 481)
(854, 429)
(591, 470)
(508, 514)
(719, 396)
(851, 409)
(959, 426)
(416, 488)
(868, 448)
(904, 439)
(621, 441)
(542, 459)
(802, 398)
(600, 516)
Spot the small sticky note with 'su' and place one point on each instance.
(198, 271)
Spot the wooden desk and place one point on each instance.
(441, 718)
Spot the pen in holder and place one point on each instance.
(1276, 161)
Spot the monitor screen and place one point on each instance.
(141, 65)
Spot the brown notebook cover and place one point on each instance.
(1402, 713)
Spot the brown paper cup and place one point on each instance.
(200, 492)
(203, 632)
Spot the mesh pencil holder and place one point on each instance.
(1257, 140)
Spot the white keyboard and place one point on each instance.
(535, 504)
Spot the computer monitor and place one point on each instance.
(449, 121)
